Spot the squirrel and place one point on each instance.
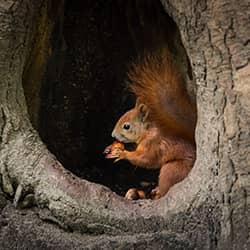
(162, 123)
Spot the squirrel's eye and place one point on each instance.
(126, 126)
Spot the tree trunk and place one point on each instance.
(214, 35)
(214, 213)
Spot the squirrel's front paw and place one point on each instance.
(114, 150)
(115, 153)
(115, 145)
(121, 155)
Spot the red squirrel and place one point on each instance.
(161, 124)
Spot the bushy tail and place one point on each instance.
(157, 82)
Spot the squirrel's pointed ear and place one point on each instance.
(143, 112)
(138, 103)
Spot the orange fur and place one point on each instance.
(161, 124)
(157, 83)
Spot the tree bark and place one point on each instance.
(214, 34)
(214, 213)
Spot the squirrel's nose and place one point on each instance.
(113, 134)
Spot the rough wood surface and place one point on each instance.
(214, 34)
(208, 210)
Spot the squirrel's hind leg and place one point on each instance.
(172, 173)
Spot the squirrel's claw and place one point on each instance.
(107, 150)
(122, 156)
(115, 153)
(116, 160)
(155, 193)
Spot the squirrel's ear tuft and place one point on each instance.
(143, 112)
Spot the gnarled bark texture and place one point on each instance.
(208, 210)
